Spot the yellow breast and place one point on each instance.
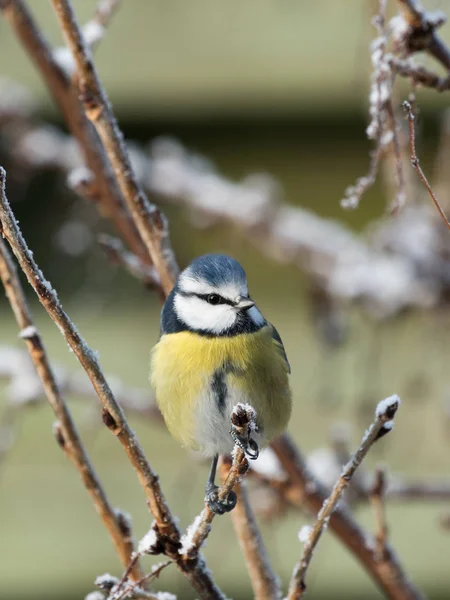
(182, 368)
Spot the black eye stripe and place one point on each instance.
(206, 297)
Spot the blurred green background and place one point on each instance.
(255, 86)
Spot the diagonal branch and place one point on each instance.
(113, 415)
(66, 432)
(66, 97)
(149, 220)
(383, 423)
(307, 492)
(265, 583)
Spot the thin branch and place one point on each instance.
(415, 162)
(418, 74)
(66, 432)
(421, 35)
(242, 421)
(149, 220)
(308, 493)
(131, 588)
(66, 97)
(265, 583)
(377, 496)
(113, 415)
(118, 255)
(383, 423)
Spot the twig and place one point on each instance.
(119, 594)
(421, 35)
(306, 492)
(66, 432)
(242, 420)
(66, 97)
(383, 423)
(418, 74)
(149, 220)
(113, 415)
(377, 495)
(265, 583)
(415, 161)
(118, 255)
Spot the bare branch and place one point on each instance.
(113, 415)
(418, 74)
(66, 432)
(415, 162)
(242, 421)
(149, 220)
(377, 495)
(118, 255)
(305, 491)
(383, 423)
(265, 583)
(66, 97)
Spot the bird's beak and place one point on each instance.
(243, 303)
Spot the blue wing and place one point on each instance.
(279, 345)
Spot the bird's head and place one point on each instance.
(211, 296)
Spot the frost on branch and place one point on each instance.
(106, 582)
(305, 533)
(187, 540)
(149, 544)
(388, 407)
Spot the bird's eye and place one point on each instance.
(213, 299)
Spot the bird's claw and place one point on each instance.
(248, 445)
(219, 507)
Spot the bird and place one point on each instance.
(216, 350)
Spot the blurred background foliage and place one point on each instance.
(255, 87)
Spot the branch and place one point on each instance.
(418, 74)
(265, 583)
(307, 492)
(66, 98)
(118, 255)
(150, 222)
(242, 421)
(383, 423)
(421, 33)
(377, 495)
(416, 165)
(66, 433)
(113, 415)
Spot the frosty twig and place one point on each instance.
(113, 415)
(383, 423)
(415, 162)
(265, 583)
(66, 432)
(149, 220)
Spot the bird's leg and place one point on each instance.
(219, 507)
(248, 445)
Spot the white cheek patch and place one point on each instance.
(198, 314)
(255, 316)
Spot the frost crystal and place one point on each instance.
(305, 533)
(28, 332)
(149, 540)
(387, 404)
(165, 596)
(188, 538)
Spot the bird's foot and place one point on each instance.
(248, 445)
(219, 507)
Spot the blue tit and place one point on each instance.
(217, 350)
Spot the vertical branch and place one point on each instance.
(66, 432)
(265, 583)
(377, 494)
(149, 220)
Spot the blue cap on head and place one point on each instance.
(217, 269)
